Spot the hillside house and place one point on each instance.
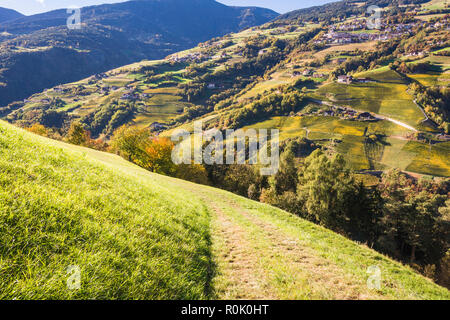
(365, 116)
(345, 79)
(105, 90)
(99, 76)
(129, 96)
(262, 51)
(157, 126)
(343, 40)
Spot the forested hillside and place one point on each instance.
(8, 15)
(110, 35)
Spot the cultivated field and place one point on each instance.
(386, 95)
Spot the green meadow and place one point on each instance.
(131, 237)
(138, 235)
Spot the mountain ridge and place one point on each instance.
(116, 34)
(9, 14)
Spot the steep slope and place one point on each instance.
(111, 35)
(137, 235)
(9, 14)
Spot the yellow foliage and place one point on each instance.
(38, 129)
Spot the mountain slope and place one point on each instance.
(110, 35)
(138, 235)
(219, 78)
(9, 14)
(189, 21)
(341, 9)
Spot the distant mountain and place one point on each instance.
(9, 14)
(341, 9)
(39, 51)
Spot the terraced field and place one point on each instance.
(161, 107)
(432, 160)
(386, 95)
(431, 79)
(291, 127)
(162, 104)
(349, 138)
(365, 46)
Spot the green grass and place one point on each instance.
(117, 82)
(442, 50)
(434, 4)
(429, 159)
(344, 255)
(440, 62)
(395, 152)
(263, 86)
(387, 96)
(394, 156)
(431, 79)
(131, 237)
(138, 235)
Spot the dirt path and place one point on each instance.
(325, 280)
(240, 276)
(257, 260)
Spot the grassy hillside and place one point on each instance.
(131, 237)
(158, 80)
(137, 235)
